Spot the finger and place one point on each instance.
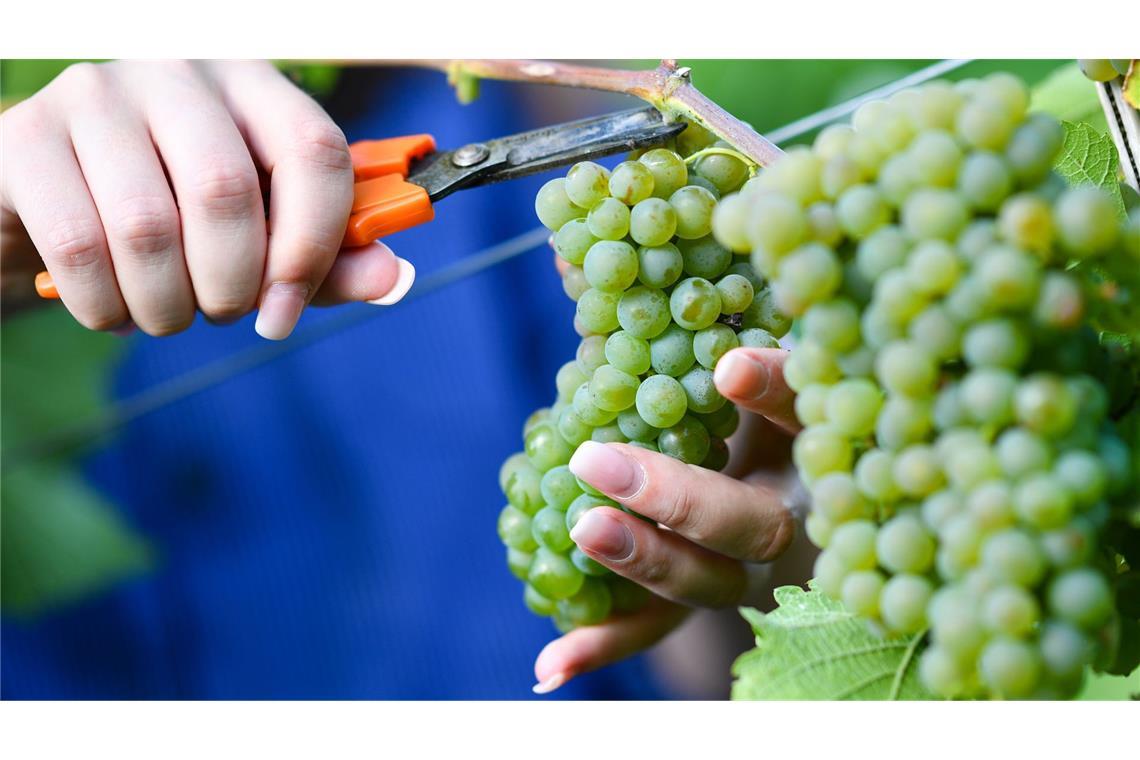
(661, 560)
(592, 647)
(44, 186)
(370, 273)
(135, 203)
(739, 519)
(561, 265)
(215, 185)
(753, 378)
(311, 186)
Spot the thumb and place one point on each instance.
(753, 378)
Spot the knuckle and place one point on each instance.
(227, 190)
(25, 121)
(681, 512)
(167, 322)
(102, 318)
(145, 226)
(74, 245)
(83, 77)
(769, 544)
(224, 306)
(320, 143)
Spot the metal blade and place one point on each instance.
(538, 150)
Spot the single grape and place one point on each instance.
(934, 213)
(728, 173)
(608, 220)
(713, 342)
(810, 363)
(933, 267)
(687, 440)
(1087, 221)
(1098, 69)
(903, 544)
(995, 343)
(861, 210)
(587, 411)
(643, 312)
(906, 368)
(1045, 405)
(808, 275)
(671, 352)
(518, 562)
(1065, 649)
(1026, 221)
(554, 207)
(573, 240)
(934, 155)
(588, 565)
(694, 303)
(903, 601)
(777, 225)
(626, 352)
(537, 603)
(754, 337)
(1009, 667)
(883, 250)
(554, 575)
(852, 406)
(1060, 302)
(635, 428)
(874, 476)
(1033, 147)
(597, 310)
(700, 391)
(730, 223)
(610, 266)
(583, 504)
(936, 331)
(611, 389)
(631, 182)
(723, 422)
(1010, 610)
(717, 458)
(559, 487)
(591, 354)
(515, 529)
(860, 592)
(1007, 277)
(570, 376)
(811, 404)
(587, 184)
(903, 421)
(669, 171)
(736, 293)
(661, 401)
(1081, 597)
(941, 672)
(704, 257)
(572, 428)
(821, 449)
(694, 208)
(918, 471)
(574, 282)
(545, 448)
(549, 529)
(652, 222)
(589, 606)
(985, 180)
(987, 395)
(1014, 556)
(984, 123)
(764, 314)
(854, 543)
(833, 324)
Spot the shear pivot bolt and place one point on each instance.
(469, 155)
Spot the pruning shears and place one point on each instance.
(399, 179)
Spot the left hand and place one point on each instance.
(711, 525)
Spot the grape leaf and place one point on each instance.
(1089, 158)
(810, 647)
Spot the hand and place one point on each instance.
(711, 525)
(140, 186)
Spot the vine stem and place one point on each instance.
(667, 87)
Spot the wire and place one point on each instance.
(168, 392)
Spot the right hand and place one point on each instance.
(139, 187)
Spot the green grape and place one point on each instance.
(610, 266)
(917, 471)
(995, 343)
(591, 354)
(933, 267)
(833, 140)
(821, 449)
(937, 331)
(941, 673)
(694, 207)
(700, 391)
(1032, 148)
(971, 466)
(537, 416)
(987, 395)
(810, 363)
(582, 504)
(991, 505)
(860, 592)
(818, 529)
(984, 123)
(627, 595)
(935, 105)
(829, 572)
(587, 411)
(903, 544)
(587, 564)
(1045, 405)
(696, 180)
(823, 224)
(549, 529)
(1041, 500)
(907, 369)
(572, 428)
(903, 421)
(537, 603)
(554, 207)
(612, 390)
(897, 298)
(704, 257)
(969, 301)
(643, 312)
(514, 529)
(570, 376)
(764, 313)
(713, 342)
(897, 180)
(589, 606)
(573, 240)
(687, 440)
(1071, 544)
(777, 225)
(513, 464)
(1009, 667)
(717, 458)
(730, 223)
(554, 576)
(545, 448)
(659, 266)
(833, 324)
(934, 156)
(985, 180)
(723, 422)
(854, 543)
(1014, 556)
(1083, 475)
(661, 401)
(808, 275)
(939, 507)
(861, 210)
(1098, 69)
(736, 293)
(1065, 650)
(587, 184)
(811, 404)
(518, 562)
(903, 601)
(627, 352)
(671, 352)
(647, 445)
(852, 406)
(754, 337)
(1087, 221)
(934, 213)
(669, 172)
(574, 282)
(1010, 610)
(694, 303)
(523, 488)
(635, 428)
(874, 476)
(838, 174)
(883, 250)
(1082, 597)
(1060, 302)
(609, 220)
(1007, 277)
(728, 173)
(597, 310)
(1026, 221)
(631, 182)
(559, 487)
(652, 222)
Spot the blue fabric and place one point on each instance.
(326, 523)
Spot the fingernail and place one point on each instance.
(739, 375)
(125, 329)
(280, 309)
(404, 279)
(598, 533)
(607, 469)
(550, 684)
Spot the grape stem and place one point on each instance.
(668, 87)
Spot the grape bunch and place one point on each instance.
(659, 301)
(958, 442)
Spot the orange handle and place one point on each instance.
(383, 202)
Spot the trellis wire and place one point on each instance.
(175, 389)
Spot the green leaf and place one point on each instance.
(810, 647)
(1089, 158)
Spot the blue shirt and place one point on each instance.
(325, 523)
